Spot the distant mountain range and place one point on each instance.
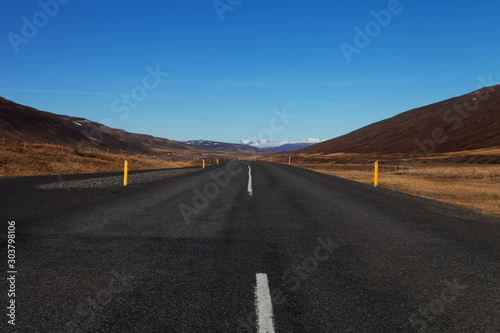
(466, 123)
(262, 146)
(24, 123)
(281, 146)
(235, 147)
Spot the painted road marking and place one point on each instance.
(263, 305)
(250, 191)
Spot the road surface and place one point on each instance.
(246, 247)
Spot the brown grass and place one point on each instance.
(16, 159)
(478, 156)
(476, 187)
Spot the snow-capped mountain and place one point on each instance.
(283, 145)
(207, 144)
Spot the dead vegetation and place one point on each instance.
(25, 159)
(476, 187)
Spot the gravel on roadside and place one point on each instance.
(116, 181)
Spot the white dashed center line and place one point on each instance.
(263, 305)
(250, 191)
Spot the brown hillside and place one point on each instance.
(23, 123)
(468, 122)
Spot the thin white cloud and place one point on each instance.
(333, 84)
(238, 84)
(222, 84)
(166, 96)
(61, 92)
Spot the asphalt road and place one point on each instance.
(293, 251)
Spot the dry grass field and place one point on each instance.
(476, 187)
(476, 156)
(18, 159)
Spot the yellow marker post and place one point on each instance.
(255, 159)
(203, 164)
(125, 173)
(217, 161)
(270, 159)
(375, 181)
(238, 159)
(289, 160)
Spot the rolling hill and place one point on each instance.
(466, 123)
(23, 123)
(27, 124)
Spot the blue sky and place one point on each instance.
(232, 64)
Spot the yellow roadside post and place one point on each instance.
(238, 159)
(125, 172)
(289, 160)
(270, 159)
(217, 161)
(203, 164)
(255, 159)
(375, 181)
